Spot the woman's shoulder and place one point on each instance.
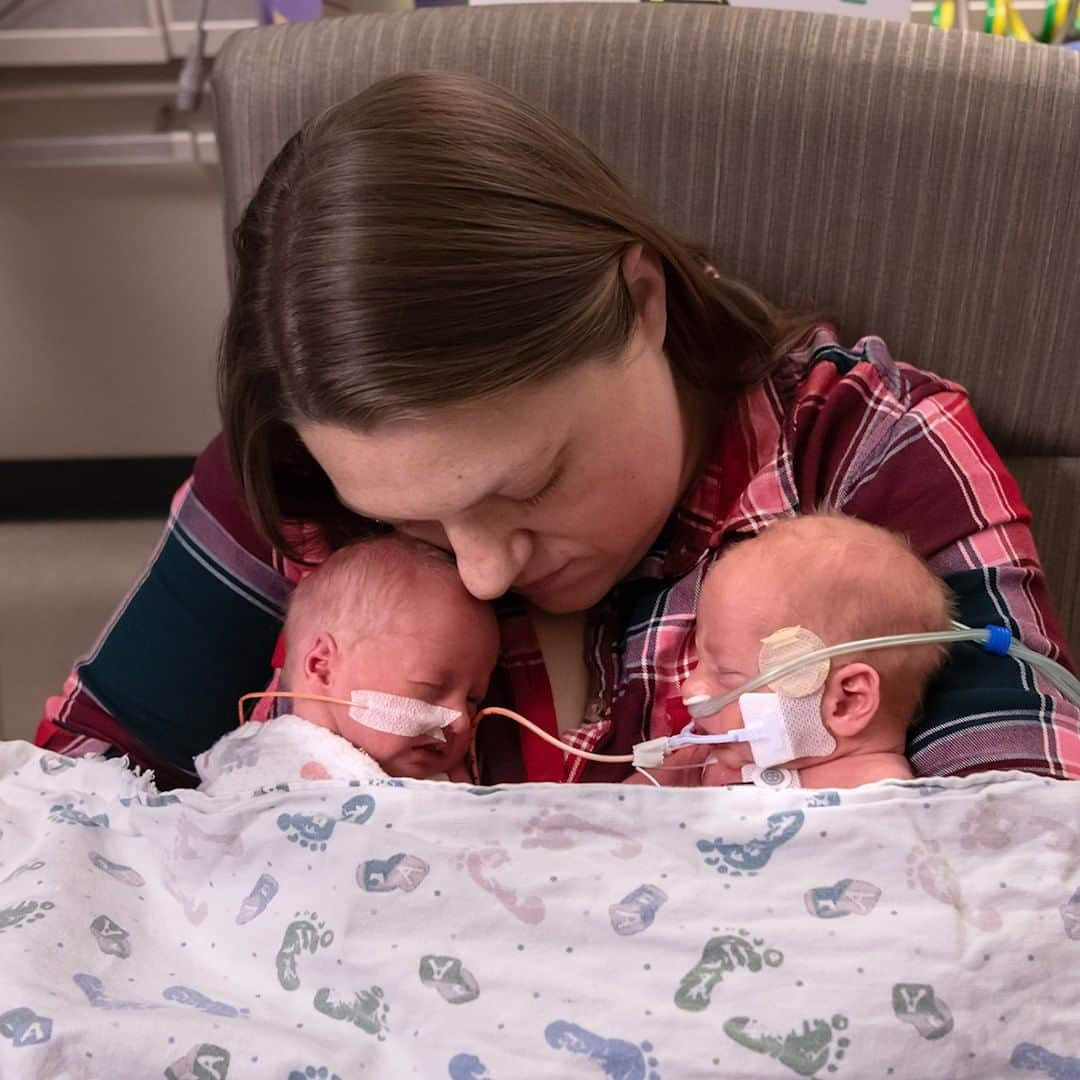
(824, 373)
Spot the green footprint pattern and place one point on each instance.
(721, 956)
(23, 914)
(367, 1010)
(917, 1004)
(805, 1052)
(304, 934)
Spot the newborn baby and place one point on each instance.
(844, 580)
(387, 616)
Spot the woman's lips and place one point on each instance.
(541, 583)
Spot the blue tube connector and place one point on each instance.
(998, 640)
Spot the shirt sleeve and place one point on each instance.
(196, 632)
(927, 469)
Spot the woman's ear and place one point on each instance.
(319, 662)
(644, 276)
(851, 699)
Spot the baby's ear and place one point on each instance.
(851, 699)
(319, 659)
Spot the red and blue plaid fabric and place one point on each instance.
(851, 429)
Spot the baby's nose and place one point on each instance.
(696, 686)
(461, 723)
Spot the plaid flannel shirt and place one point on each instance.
(851, 429)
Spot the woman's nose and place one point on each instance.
(488, 562)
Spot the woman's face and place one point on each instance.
(555, 491)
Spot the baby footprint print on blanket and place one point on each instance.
(917, 1004)
(1070, 916)
(722, 956)
(995, 826)
(256, 901)
(929, 869)
(51, 764)
(192, 842)
(95, 992)
(1034, 1058)
(558, 830)
(481, 864)
(117, 870)
(454, 983)
(187, 995)
(366, 1010)
(617, 1059)
(805, 1052)
(66, 813)
(468, 1067)
(112, 938)
(304, 934)
(313, 1073)
(24, 913)
(754, 854)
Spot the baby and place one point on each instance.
(843, 580)
(387, 616)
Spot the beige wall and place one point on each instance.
(112, 292)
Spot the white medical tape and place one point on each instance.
(782, 729)
(400, 715)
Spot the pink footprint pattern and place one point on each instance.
(481, 864)
(996, 826)
(558, 830)
(928, 869)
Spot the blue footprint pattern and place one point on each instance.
(618, 1058)
(66, 814)
(467, 1067)
(313, 831)
(754, 854)
(187, 995)
(1034, 1058)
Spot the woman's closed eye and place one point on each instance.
(549, 485)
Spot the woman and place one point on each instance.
(450, 319)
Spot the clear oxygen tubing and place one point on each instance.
(995, 639)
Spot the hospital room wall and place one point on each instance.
(112, 292)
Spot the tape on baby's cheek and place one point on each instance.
(400, 715)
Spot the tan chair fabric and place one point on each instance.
(911, 183)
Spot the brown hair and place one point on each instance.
(434, 240)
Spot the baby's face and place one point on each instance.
(440, 650)
(728, 640)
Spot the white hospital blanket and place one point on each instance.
(398, 929)
(280, 750)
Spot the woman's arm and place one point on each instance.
(195, 633)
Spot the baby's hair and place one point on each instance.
(352, 592)
(847, 580)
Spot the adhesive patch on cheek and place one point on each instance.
(400, 715)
